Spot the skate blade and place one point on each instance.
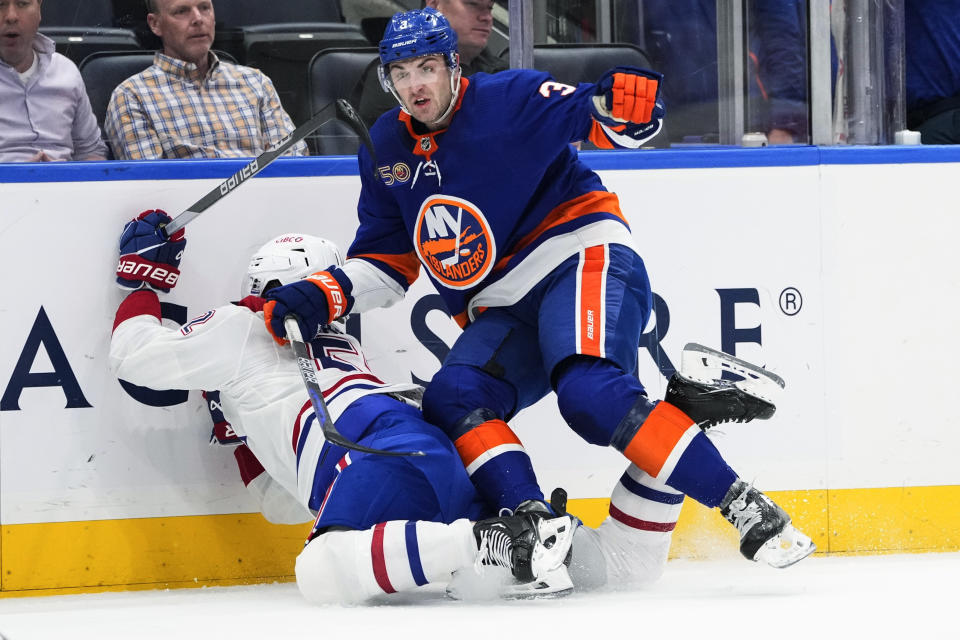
(703, 364)
(786, 549)
(555, 538)
(553, 584)
(495, 583)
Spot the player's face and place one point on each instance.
(19, 20)
(423, 85)
(186, 27)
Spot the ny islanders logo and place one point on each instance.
(454, 241)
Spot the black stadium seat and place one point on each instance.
(245, 13)
(79, 13)
(575, 63)
(336, 73)
(234, 16)
(283, 52)
(80, 28)
(103, 71)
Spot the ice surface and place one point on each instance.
(898, 596)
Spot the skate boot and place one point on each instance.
(534, 543)
(765, 529)
(702, 391)
(709, 404)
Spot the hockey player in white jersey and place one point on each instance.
(382, 524)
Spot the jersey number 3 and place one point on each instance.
(547, 89)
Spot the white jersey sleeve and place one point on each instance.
(202, 354)
(372, 288)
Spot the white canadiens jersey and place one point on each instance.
(261, 391)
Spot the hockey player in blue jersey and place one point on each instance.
(477, 183)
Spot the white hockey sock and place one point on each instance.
(635, 539)
(642, 502)
(354, 566)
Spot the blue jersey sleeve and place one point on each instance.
(382, 238)
(545, 109)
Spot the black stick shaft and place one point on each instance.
(308, 371)
(348, 114)
(257, 165)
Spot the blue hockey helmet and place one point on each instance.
(421, 32)
(417, 33)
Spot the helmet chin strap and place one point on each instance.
(454, 94)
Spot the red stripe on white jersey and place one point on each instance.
(591, 300)
(379, 560)
(298, 423)
(352, 378)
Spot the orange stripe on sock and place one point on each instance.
(656, 439)
(591, 301)
(482, 438)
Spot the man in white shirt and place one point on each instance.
(45, 114)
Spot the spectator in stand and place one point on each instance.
(190, 104)
(45, 113)
(680, 37)
(473, 22)
(932, 40)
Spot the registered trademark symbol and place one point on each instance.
(791, 301)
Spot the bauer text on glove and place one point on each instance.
(315, 301)
(147, 257)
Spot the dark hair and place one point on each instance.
(151, 6)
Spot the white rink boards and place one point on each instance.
(833, 268)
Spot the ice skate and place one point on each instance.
(700, 391)
(533, 544)
(527, 544)
(705, 365)
(765, 530)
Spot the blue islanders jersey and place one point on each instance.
(493, 203)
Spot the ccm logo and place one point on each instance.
(149, 272)
(306, 370)
(237, 178)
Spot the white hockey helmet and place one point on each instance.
(286, 259)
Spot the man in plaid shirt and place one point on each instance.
(189, 104)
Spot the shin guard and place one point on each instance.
(496, 461)
(666, 444)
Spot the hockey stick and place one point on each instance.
(308, 372)
(345, 112)
(348, 114)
